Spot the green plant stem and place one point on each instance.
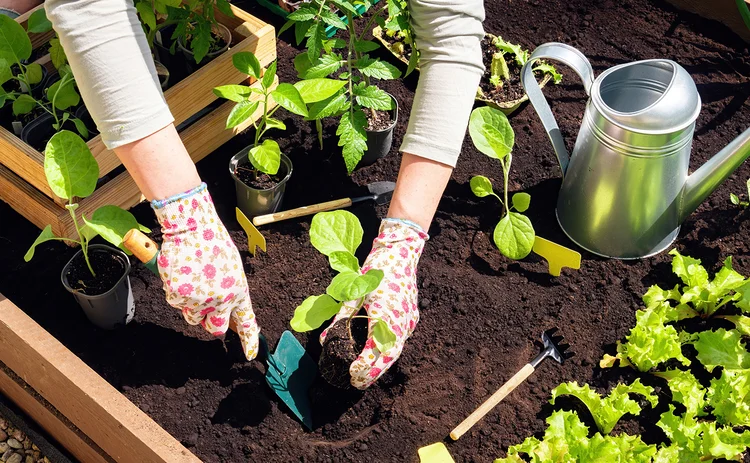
(372, 19)
(349, 68)
(263, 125)
(83, 241)
(506, 173)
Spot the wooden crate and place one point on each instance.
(724, 11)
(22, 181)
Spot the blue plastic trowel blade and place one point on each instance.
(290, 372)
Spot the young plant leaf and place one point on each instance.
(352, 138)
(690, 270)
(57, 54)
(521, 201)
(34, 73)
(289, 98)
(247, 63)
(377, 69)
(323, 67)
(313, 312)
(302, 63)
(80, 126)
(268, 76)
(315, 90)
(350, 286)
(236, 93)
(23, 104)
(721, 348)
(272, 123)
(481, 186)
(330, 18)
(266, 157)
(316, 34)
(146, 12)
(686, 390)
(491, 132)
(372, 97)
(38, 22)
(64, 94)
(112, 223)
(335, 231)
(514, 236)
(741, 323)
(383, 335)
(304, 13)
(328, 107)
(365, 46)
(343, 261)
(44, 236)
(70, 167)
(241, 112)
(547, 68)
(15, 45)
(729, 396)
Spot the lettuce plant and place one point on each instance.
(686, 390)
(499, 71)
(322, 59)
(492, 135)
(72, 172)
(337, 235)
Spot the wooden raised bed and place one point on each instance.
(724, 11)
(22, 181)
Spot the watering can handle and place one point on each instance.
(570, 57)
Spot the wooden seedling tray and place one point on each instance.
(22, 181)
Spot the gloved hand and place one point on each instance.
(202, 269)
(395, 251)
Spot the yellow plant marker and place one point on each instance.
(556, 256)
(435, 453)
(254, 237)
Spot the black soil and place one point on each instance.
(481, 314)
(258, 180)
(378, 120)
(340, 350)
(107, 266)
(510, 90)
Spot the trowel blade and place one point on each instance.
(290, 372)
(382, 191)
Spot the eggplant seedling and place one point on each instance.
(736, 199)
(492, 134)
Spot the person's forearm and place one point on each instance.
(419, 187)
(20, 6)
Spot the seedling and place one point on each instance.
(736, 199)
(337, 235)
(72, 172)
(492, 134)
(322, 60)
(196, 24)
(150, 12)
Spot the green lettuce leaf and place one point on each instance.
(729, 395)
(686, 390)
(721, 348)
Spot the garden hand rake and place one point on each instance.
(290, 371)
(552, 348)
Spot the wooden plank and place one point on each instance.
(724, 11)
(122, 430)
(54, 423)
(23, 160)
(30, 203)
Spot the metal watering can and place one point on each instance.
(626, 187)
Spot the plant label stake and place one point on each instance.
(290, 371)
(556, 256)
(254, 237)
(552, 348)
(435, 453)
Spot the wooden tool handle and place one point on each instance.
(301, 211)
(490, 403)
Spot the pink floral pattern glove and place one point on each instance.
(202, 269)
(396, 252)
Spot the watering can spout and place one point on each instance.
(705, 180)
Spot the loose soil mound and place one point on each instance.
(481, 313)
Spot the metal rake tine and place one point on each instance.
(551, 331)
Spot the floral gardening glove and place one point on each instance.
(202, 269)
(395, 251)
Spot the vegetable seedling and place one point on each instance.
(737, 201)
(492, 134)
(196, 24)
(499, 71)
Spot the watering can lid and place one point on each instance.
(676, 108)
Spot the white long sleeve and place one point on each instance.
(448, 35)
(110, 57)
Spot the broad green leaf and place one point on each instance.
(365, 46)
(236, 93)
(372, 97)
(743, 301)
(269, 75)
(38, 22)
(57, 54)
(335, 231)
(324, 66)
(481, 186)
(146, 12)
(729, 396)
(34, 73)
(651, 342)
(266, 157)
(315, 90)
(328, 107)
(722, 348)
(655, 295)
(225, 7)
(272, 123)
(413, 62)
(289, 98)
(315, 37)
(15, 45)
(112, 223)
(345, 5)
(5, 72)
(343, 261)
(80, 127)
(514, 236)
(23, 104)
(521, 201)
(376, 68)
(301, 28)
(330, 18)
(491, 132)
(352, 137)
(688, 269)
(383, 336)
(313, 312)
(723, 442)
(741, 323)
(686, 390)
(46, 235)
(247, 63)
(551, 70)
(302, 64)
(241, 112)
(350, 286)
(304, 13)
(70, 167)
(63, 94)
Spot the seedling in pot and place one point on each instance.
(492, 135)
(197, 30)
(337, 235)
(737, 201)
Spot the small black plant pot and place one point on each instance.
(114, 305)
(379, 142)
(253, 201)
(38, 132)
(223, 32)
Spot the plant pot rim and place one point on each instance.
(235, 161)
(92, 247)
(395, 117)
(223, 31)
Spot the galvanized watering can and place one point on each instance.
(626, 187)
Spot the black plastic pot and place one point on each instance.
(37, 132)
(37, 91)
(252, 201)
(112, 309)
(379, 142)
(225, 34)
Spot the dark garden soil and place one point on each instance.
(341, 349)
(511, 89)
(378, 120)
(480, 313)
(107, 266)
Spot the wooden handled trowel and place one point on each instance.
(290, 371)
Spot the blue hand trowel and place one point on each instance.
(290, 371)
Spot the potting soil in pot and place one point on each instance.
(259, 180)
(510, 90)
(378, 120)
(480, 314)
(108, 268)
